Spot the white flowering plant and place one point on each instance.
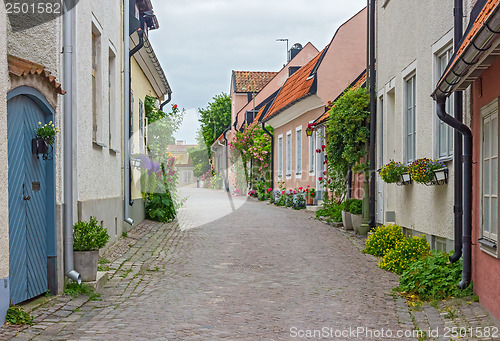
(47, 132)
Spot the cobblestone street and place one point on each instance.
(259, 273)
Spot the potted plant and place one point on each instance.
(392, 172)
(423, 171)
(346, 215)
(45, 138)
(356, 210)
(88, 238)
(311, 194)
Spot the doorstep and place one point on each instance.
(101, 279)
(313, 208)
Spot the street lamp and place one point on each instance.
(311, 127)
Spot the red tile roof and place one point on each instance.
(22, 68)
(356, 84)
(295, 88)
(460, 73)
(478, 23)
(251, 81)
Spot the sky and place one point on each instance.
(200, 42)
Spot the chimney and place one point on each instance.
(296, 48)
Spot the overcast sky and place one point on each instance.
(200, 42)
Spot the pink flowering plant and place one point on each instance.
(253, 146)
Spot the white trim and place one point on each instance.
(280, 171)
(298, 152)
(287, 158)
(407, 75)
(491, 109)
(312, 139)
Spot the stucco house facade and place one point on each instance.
(304, 98)
(414, 45)
(147, 79)
(480, 48)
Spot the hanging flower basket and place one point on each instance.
(424, 170)
(42, 147)
(44, 140)
(392, 172)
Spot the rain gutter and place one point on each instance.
(68, 23)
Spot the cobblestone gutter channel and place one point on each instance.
(256, 274)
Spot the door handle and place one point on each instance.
(25, 197)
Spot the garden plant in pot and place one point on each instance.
(346, 215)
(88, 238)
(356, 211)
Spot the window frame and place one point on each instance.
(445, 49)
(488, 112)
(312, 152)
(298, 152)
(288, 154)
(280, 156)
(412, 76)
(97, 66)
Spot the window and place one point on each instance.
(97, 85)
(289, 153)
(114, 136)
(489, 167)
(410, 110)
(444, 131)
(312, 152)
(280, 156)
(298, 151)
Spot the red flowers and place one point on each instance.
(320, 178)
(174, 106)
(323, 147)
(324, 172)
(318, 150)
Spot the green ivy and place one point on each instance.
(346, 130)
(433, 278)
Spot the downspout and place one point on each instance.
(227, 159)
(166, 102)
(69, 270)
(272, 153)
(373, 116)
(458, 144)
(139, 46)
(467, 197)
(126, 116)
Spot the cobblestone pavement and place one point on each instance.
(259, 273)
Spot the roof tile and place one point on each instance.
(22, 68)
(252, 81)
(297, 86)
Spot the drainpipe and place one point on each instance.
(227, 159)
(272, 153)
(69, 270)
(126, 116)
(467, 196)
(139, 46)
(458, 144)
(373, 116)
(166, 102)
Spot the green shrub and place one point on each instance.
(289, 199)
(433, 278)
(281, 201)
(383, 239)
(160, 207)
(333, 211)
(89, 235)
(354, 206)
(17, 315)
(406, 252)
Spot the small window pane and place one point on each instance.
(486, 214)
(494, 216)
(486, 177)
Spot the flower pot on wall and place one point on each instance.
(346, 220)
(85, 263)
(356, 222)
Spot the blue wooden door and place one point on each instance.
(27, 202)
